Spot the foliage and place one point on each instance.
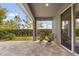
(5, 35)
(28, 23)
(50, 37)
(2, 35)
(77, 32)
(2, 14)
(43, 33)
(9, 25)
(41, 36)
(17, 22)
(46, 31)
(21, 32)
(10, 36)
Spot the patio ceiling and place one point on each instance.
(40, 10)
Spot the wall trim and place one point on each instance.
(71, 52)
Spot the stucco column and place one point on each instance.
(34, 30)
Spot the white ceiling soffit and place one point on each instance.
(40, 10)
(27, 11)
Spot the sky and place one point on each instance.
(46, 24)
(13, 9)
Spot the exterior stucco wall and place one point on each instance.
(57, 31)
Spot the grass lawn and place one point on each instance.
(20, 38)
(77, 38)
(23, 38)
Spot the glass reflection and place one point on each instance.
(76, 12)
(66, 28)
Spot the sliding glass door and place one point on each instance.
(76, 14)
(66, 28)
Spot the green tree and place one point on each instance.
(28, 23)
(10, 24)
(6, 24)
(17, 21)
(2, 14)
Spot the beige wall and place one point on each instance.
(57, 30)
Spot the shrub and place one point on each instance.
(77, 32)
(4, 35)
(44, 33)
(41, 36)
(50, 37)
(20, 32)
(10, 36)
(1, 35)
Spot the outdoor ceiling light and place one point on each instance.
(46, 4)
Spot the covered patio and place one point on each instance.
(62, 16)
(65, 41)
(31, 48)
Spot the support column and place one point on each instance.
(72, 29)
(34, 30)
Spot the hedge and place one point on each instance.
(26, 32)
(45, 31)
(20, 32)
